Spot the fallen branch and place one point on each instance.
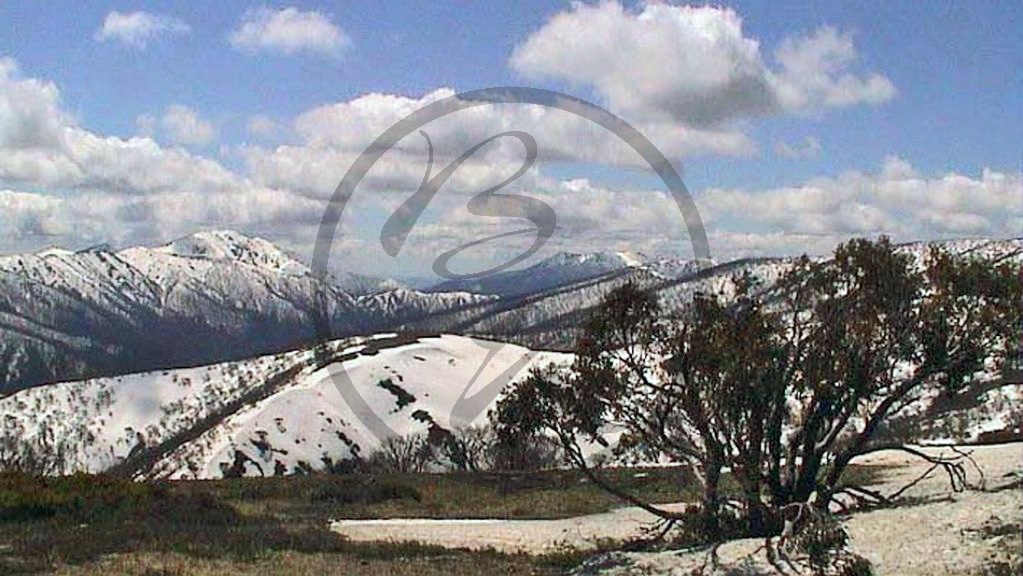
(952, 466)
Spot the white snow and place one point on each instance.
(301, 423)
(99, 421)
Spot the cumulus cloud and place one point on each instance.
(810, 217)
(30, 115)
(563, 135)
(184, 126)
(63, 184)
(694, 65)
(137, 29)
(332, 136)
(32, 220)
(896, 201)
(815, 73)
(288, 31)
(591, 216)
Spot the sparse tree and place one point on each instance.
(471, 449)
(402, 455)
(783, 386)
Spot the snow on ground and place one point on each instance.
(303, 422)
(532, 536)
(98, 422)
(408, 387)
(941, 534)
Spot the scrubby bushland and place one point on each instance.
(476, 448)
(412, 453)
(784, 387)
(34, 456)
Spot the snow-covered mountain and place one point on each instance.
(273, 414)
(560, 269)
(209, 297)
(225, 297)
(283, 413)
(553, 318)
(219, 296)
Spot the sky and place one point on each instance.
(795, 128)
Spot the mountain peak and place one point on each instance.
(54, 251)
(235, 247)
(601, 260)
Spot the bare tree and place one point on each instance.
(403, 455)
(472, 448)
(37, 455)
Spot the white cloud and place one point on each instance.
(61, 183)
(815, 73)
(810, 148)
(333, 135)
(288, 31)
(694, 65)
(30, 114)
(76, 185)
(354, 124)
(896, 201)
(33, 220)
(136, 29)
(590, 215)
(178, 124)
(184, 126)
(809, 217)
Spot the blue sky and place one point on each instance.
(942, 117)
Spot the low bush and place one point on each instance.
(79, 498)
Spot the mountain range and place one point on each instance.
(192, 358)
(218, 296)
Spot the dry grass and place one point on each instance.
(298, 564)
(280, 525)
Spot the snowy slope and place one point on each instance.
(308, 421)
(282, 414)
(97, 423)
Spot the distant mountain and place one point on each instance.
(235, 248)
(208, 297)
(558, 270)
(362, 285)
(552, 319)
